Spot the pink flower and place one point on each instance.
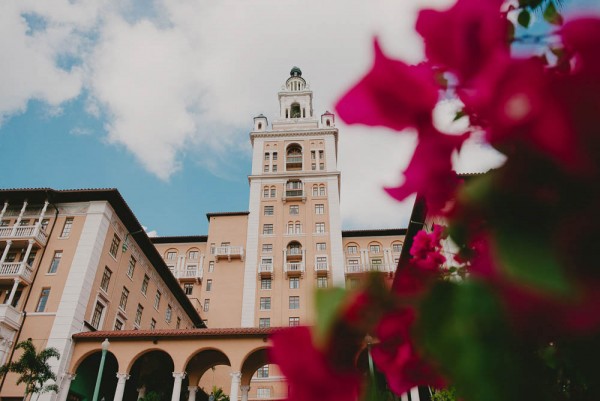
(309, 374)
(392, 94)
(581, 37)
(430, 170)
(396, 357)
(463, 38)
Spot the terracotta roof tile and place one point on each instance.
(224, 332)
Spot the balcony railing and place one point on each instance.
(10, 316)
(372, 267)
(321, 267)
(188, 273)
(229, 252)
(294, 194)
(16, 270)
(23, 232)
(294, 267)
(293, 160)
(265, 268)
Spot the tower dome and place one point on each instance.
(295, 72)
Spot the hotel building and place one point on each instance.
(77, 267)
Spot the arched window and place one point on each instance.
(259, 125)
(266, 192)
(295, 110)
(298, 228)
(315, 190)
(290, 227)
(328, 124)
(293, 160)
(294, 248)
(375, 247)
(273, 192)
(352, 248)
(322, 190)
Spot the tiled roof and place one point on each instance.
(226, 332)
(374, 232)
(215, 214)
(179, 239)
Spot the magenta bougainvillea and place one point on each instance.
(515, 312)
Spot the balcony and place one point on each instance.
(293, 163)
(13, 270)
(24, 233)
(294, 269)
(322, 268)
(294, 195)
(265, 270)
(372, 267)
(191, 273)
(10, 316)
(229, 252)
(294, 254)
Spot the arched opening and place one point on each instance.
(82, 387)
(263, 378)
(259, 125)
(209, 370)
(294, 189)
(294, 250)
(295, 110)
(152, 372)
(293, 159)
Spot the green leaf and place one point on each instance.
(328, 303)
(459, 114)
(526, 258)
(551, 15)
(524, 18)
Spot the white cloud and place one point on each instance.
(150, 233)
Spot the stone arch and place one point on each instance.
(252, 361)
(86, 371)
(200, 361)
(151, 369)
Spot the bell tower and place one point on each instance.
(295, 103)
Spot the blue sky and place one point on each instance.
(156, 98)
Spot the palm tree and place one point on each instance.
(33, 369)
(218, 394)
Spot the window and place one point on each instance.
(265, 303)
(10, 257)
(266, 192)
(376, 262)
(4, 223)
(321, 282)
(274, 156)
(290, 228)
(264, 322)
(55, 262)
(267, 248)
(294, 302)
(138, 314)
(41, 305)
(262, 392)
(66, 231)
(188, 288)
(97, 316)
(320, 228)
(265, 284)
(269, 210)
(123, 300)
(171, 255)
(152, 324)
(274, 168)
(374, 248)
(131, 267)
(208, 284)
(294, 282)
(211, 267)
(193, 255)
(157, 300)
(298, 229)
(266, 168)
(206, 305)
(315, 189)
(352, 249)
(294, 209)
(268, 229)
(321, 190)
(396, 248)
(168, 313)
(313, 166)
(294, 321)
(321, 154)
(118, 324)
(273, 192)
(322, 261)
(24, 223)
(178, 323)
(145, 284)
(321, 166)
(312, 155)
(267, 156)
(31, 258)
(105, 279)
(321, 246)
(263, 371)
(114, 246)
(319, 208)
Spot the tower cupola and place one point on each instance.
(260, 123)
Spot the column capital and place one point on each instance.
(179, 375)
(122, 376)
(8, 242)
(245, 388)
(69, 376)
(30, 242)
(236, 376)
(193, 389)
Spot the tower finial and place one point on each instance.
(296, 72)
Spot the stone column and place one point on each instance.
(141, 392)
(122, 379)
(39, 223)
(192, 390)
(13, 291)
(14, 231)
(404, 397)
(26, 256)
(176, 385)
(3, 258)
(65, 385)
(414, 394)
(245, 391)
(235, 385)
(3, 210)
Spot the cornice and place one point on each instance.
(286, 133)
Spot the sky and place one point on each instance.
(156, 98)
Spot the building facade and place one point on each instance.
(82, 263)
